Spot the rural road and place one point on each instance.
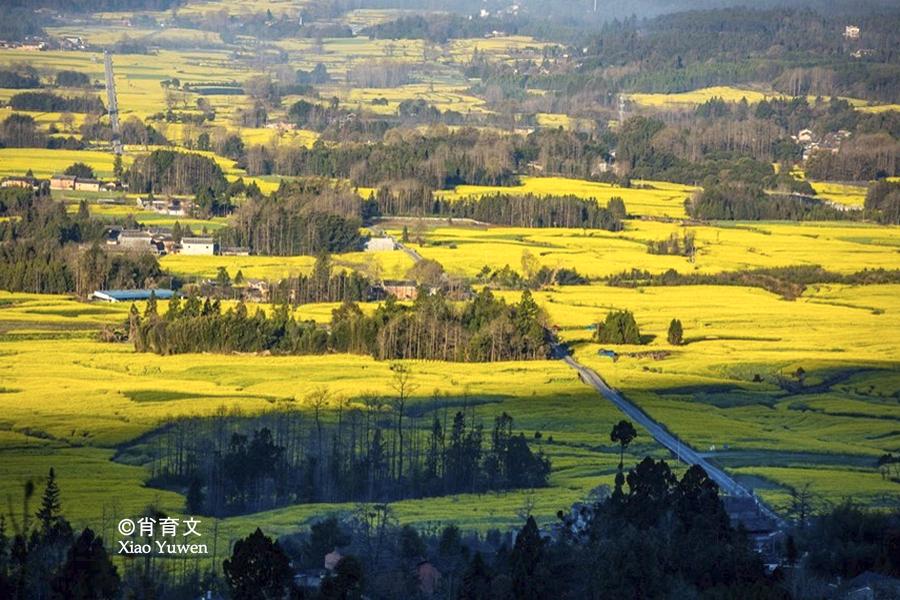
(409, 251)
(685, 453)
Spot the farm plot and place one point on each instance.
(95, 396)
(791, 391)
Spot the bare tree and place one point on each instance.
(404, 387)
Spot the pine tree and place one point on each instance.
(48, 514)
(476, 584)
(528, 572)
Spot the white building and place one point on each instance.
(851, 32)
(196, 246)
(380, 244)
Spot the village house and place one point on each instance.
(380, 244)
(198, 246)
(138, 241)
(173, 207)
(257, 290)
(851, 32)
(20, 182)
(401, 289)
(62, 182)
(87, 185)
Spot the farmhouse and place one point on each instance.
(131, 295)
(136, 240)
(380, 244)
(174, 207)
(62, 182)
(198, 246)
(851, 32)
(401, 289)
(87, 185)
(20, 182)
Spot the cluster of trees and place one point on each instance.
(506, 278)
(661, 537)
(788, 282)
(20, 78)
(674, 246)
(483, 330)
(20, 131)
(747, 203)
(438, 28)
(439, 161)
(436, 158)
(619, 327)
(305, 217)
(515, 210)
(381, 450)
(171, 172)
(801, 52)
(50, 102)
(46, 558)
(72, 79)
(42, 250)
(860, 158)
(322, 285)
(883, 199)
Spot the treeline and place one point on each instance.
(656, 537)
(515, 210)
(863, 158)
(789, 282)
(436, 158)
(484, 329)
(464, 157)
(171, 172)
(438, 28)
(735, 203)
(49, 102)
(883, 199)
(506, 278)
(707, 154)
(19, 78)
(322, 286)
(801, 52)
(381, 450)
(306, 217)
(42, 250)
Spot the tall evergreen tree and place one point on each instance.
(530, 577)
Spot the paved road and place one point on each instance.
(684, 452)
(409, 251)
